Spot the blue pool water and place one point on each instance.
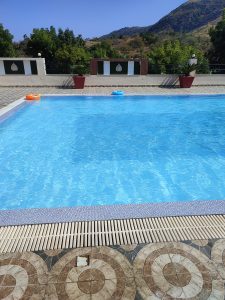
(79, 151)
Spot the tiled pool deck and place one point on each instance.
(182, 270)
(8, 95)
(176, 270)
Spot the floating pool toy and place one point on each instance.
(33, 97)
(118, 93)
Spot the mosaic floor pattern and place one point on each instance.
(182, 270)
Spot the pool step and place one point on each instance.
(110, 232)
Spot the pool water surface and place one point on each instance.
(81, 151)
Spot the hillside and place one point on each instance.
(136, 46)
(190, 16)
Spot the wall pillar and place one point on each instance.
(106, 68)
(130, 68)
(2, 68)
(27, 67)
(144, 67)
(94, 67)
(41, 68)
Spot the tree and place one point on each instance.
(67, 37)
(70, 56)
(61, 49)
(6, 43)
(42, 41)
(217, 35)
(104, 49)
(171, 56)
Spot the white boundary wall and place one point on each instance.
(41, 70)
(115, 80)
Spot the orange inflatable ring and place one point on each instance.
(33, 97)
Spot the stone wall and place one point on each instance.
(114, 81)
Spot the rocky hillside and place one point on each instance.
(190, 16)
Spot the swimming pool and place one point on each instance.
(70, 151)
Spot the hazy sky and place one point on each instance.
(90, 18)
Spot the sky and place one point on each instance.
(90, 18)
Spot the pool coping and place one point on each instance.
(91, 94)
(6, 111)
(104, 212)
(111, 212)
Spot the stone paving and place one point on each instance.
(8, 94)
(179, 270)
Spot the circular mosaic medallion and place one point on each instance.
(218, 256)
(182, 279)
(175, 270)
(108, 275)
(22, 276)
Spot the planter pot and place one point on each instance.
(79, 81)
(186, 81)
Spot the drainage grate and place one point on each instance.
(110, 232)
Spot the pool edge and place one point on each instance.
(110, 212)
(11, 107)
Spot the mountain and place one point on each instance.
(126, 31)
(189, 16)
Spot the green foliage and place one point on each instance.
(171, 56)
(69, 55)
(80, 69)
(67, 37)
(203, 66)
(186, 69)
(6, 43)
(217, 34)
(149, 38)
(21, 46)
(62, 49)
(42, 41)
(104, 50)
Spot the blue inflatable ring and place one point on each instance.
(118, 93)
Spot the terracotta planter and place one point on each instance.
(79, 81)
(186, 81)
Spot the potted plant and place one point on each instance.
(187, 78)
(79, 79)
